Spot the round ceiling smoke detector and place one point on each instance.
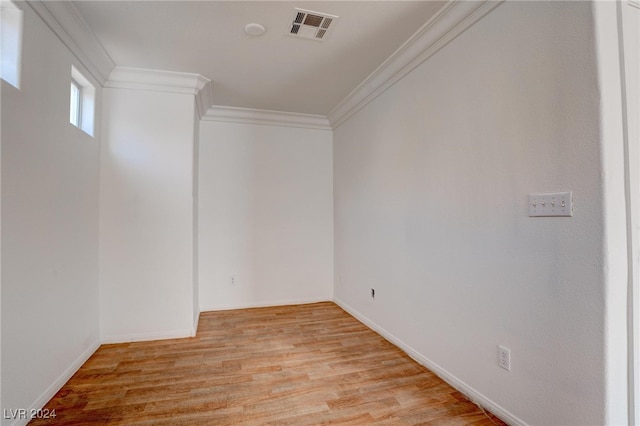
(254, 29)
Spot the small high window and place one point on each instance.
(76, 103)
(81, 102)
(11, 42)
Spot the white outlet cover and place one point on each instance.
(504, 358)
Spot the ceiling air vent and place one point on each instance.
(311, 25)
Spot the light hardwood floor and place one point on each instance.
(298, 365)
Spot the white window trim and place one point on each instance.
(76, 119)
(86, 107)
(11, 19)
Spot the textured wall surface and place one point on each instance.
(146, 215)
(49, 226)
(431, 184)
(266, 215)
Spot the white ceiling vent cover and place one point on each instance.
(310, 24)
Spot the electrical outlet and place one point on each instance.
(504, 358)
(233, 280)
(373, 293)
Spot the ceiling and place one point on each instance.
(273, 71)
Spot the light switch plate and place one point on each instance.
(551, 204)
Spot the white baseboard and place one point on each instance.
(458, 384)
(142, 337)
(266, 304)
(59, 382)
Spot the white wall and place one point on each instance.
(195, 170)
(146, 215)
(265, 215)
(50, 321)
(631, 47)
(612, 154)
(431, 184)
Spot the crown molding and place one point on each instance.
(158, 81)
(66, 22)
(449, 22)
(266, 117)
(204, 99)
(164, 81)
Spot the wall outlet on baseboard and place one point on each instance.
(233, 280)
(373, 293)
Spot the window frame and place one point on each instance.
(75, 119)
(85, 102)
(11, 29)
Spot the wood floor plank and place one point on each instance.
(298, 365)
